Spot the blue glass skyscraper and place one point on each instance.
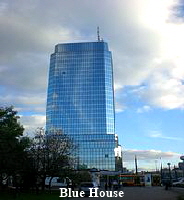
(80, 101)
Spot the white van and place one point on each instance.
(57, 182)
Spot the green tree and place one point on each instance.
(11, 144)
(82, 176)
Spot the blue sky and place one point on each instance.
(146, 40)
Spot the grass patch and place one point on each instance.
(31, 196)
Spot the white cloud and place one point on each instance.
(25, 102)
(160, 68)
(156, 134)
(31, 123)
(147, 155)
(149, 159)
(144, 109)
(119, 107)
(25, 99)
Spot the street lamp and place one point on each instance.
(169, 165)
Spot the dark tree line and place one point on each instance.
(11, 146)
(25, 162)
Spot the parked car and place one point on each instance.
(180, 183)
(85, 186)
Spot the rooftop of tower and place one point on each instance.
(82, 46)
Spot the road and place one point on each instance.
(142, 193)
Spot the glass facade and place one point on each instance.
(80, 101)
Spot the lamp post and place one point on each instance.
(169, 166)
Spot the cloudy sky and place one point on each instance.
(146, 39)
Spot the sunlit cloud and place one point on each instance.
(156, 134)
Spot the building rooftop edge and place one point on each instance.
(81, 42)
(81, 46)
